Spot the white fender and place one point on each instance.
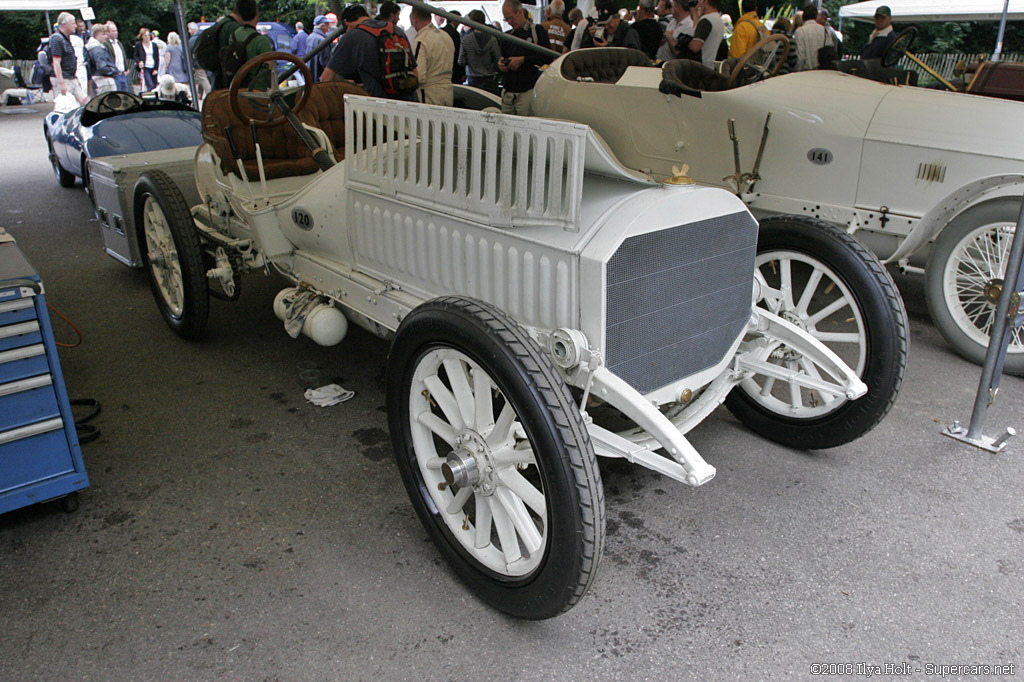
(934, 220)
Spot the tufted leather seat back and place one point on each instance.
(693, 75)
(603, 65)
(873, 69)
(284, 152)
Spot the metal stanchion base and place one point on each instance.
(989, 443)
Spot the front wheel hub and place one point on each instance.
(993, 290)
(461, 469)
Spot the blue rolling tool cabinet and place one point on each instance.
(40, 458)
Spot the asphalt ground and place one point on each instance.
(234, 531)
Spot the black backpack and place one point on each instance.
(232, 55)
(46, 65)
(206, 52)
(396, 69)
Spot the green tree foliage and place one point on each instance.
(942, 36)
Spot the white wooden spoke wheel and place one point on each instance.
(824, 281)
(173, 256)
(495, 457)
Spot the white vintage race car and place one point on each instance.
(897, 166)
(545, 304)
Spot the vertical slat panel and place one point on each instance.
(501, 170)
(522, 177)
(490, 167)
(535, 152)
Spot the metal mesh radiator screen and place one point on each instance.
(677, 299)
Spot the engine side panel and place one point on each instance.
(432, 255)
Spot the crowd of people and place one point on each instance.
(80, 60)
(77, 62)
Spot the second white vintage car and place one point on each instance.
(898, 167)
(545, 304)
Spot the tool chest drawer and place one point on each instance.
(33, 454)
(40, 457)
(19, 363)
(28, 400)
(18, 310)
(19, 335)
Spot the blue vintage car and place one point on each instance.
(116, 123)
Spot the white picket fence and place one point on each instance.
(944, 64)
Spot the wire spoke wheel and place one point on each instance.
(495, 457)
(964, 279)
(973, 281)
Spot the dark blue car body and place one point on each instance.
(133, 125)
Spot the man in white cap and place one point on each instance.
(169, 89)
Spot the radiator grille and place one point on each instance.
(677, 299)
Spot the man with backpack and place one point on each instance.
(747, 30)
(247, 42)
(222, 49)
(372, 53)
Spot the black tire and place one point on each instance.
(874, 315)
(955, 290)
(69, 503)
(172, 254)
(87, 186)
(63, 177)
(562, 467)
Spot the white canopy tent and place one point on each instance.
(935, 10)
(42, 5)
(941, 10)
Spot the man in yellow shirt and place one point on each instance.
(747, 30)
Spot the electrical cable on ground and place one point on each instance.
(70, 324)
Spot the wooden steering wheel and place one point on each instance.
(274, 97)
(899, 46)
(756, 72)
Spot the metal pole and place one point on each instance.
(179, 14)
(997, 55)
(485, 28)
(1003, 327)
(1000, 334)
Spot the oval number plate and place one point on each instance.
(302, 219)
(819, 156)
